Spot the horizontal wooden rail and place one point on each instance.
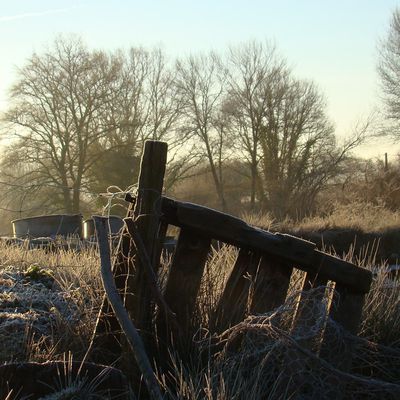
(295, 251)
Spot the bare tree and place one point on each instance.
(250, 68)
(200, 83)
(79, 118)
(282, 130)
(56, 115)
(389, 72)
(145, 107)
(298, 145)
(163, 101)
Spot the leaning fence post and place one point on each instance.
(127, 326)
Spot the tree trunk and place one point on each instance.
(218, 182)
(68, 206)
(76, 197)
(253, 187)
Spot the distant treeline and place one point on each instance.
(77, 120)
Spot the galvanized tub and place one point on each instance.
(48, 226)
(115, 223)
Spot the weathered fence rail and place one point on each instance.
(270, 258)
(301, 253)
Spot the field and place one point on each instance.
(49, 304)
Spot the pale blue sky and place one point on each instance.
(332, 42)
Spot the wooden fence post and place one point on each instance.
(232, 306)
(182, 287)
(130, 277)
(147, 214)
(271, 285)
(346, 310)
(308, 309)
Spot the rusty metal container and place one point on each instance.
(48, 226)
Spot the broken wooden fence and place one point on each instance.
(270, 258)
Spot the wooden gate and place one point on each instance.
(270, 257)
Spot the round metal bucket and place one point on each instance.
(48, 226)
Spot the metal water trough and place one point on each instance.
(48, 226)
(116, 224)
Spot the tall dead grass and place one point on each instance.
(253, 371)
(364, 216)
(71, 275)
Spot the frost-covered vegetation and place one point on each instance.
(49, 303)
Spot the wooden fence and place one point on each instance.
(270, 258)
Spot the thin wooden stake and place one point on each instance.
(114, 298)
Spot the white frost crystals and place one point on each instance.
(33, 313)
